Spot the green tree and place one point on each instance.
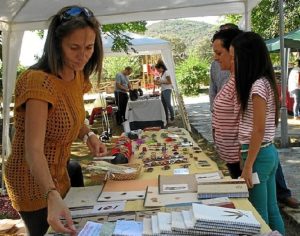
(191, 74)
(178, 47)
(113, 65)
(121, 41)
(203, 48)
(265, 17)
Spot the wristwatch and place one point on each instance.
(86, 136)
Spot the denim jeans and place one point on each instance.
(296, 106)
(263, 195)
(283, 192)
(166, 101)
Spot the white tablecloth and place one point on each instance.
(150, 109)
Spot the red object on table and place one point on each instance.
(123, 145)
(97, 111)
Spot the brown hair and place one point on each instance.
(51, 60)
(160, 64)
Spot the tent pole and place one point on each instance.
(247, 17)
(283, 109)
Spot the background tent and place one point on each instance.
(16, 16)
(291, 40)
(144, 45)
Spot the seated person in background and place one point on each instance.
(122, 88)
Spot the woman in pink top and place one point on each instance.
(259, 110)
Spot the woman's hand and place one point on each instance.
(247, 175)
(96, 147)
(57, 210)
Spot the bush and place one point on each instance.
(191, 74)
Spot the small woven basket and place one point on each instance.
(98, 178)
(126, 176)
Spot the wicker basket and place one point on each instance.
(98, 178)
(126, 176)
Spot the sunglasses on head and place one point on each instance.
(74, 12)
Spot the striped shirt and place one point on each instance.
(225, 123)
(262, 88)
(218, 78)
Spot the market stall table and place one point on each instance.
(155, 143)
(145, 112)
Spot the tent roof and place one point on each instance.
(34, 14)
(141, 44)
(291, 40)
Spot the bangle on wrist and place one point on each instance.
(86, 136)
(49, 191)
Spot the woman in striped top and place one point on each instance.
(259, 106)
(225, 116)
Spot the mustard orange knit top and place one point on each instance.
(65, 118)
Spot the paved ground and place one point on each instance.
(200, 118)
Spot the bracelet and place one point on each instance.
(49, 191)
(86, 136)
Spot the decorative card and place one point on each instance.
(154, 199)
(140, 215)
(177, 184)
(181, 171)
(107, 228)
(91, 229)
(128, 228)
(147, 227)
(80, 222)
(220, 201)
(200, 177)
(108, 207)
(128, 185)
(121, 216)
(119, 196)
(82, 196)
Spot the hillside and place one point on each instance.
(190, 32)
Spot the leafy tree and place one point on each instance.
(265, 17)
(203, 48)
(178, 47)
(191, 74)
(113, 65)
(121, 41)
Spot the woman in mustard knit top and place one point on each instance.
(49, 116)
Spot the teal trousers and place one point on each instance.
(263, 195)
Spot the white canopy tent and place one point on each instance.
(143, 45)
(16, 16)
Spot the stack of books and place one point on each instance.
(202, 220)
(232, 188)
(199, 220)
(212, 219)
